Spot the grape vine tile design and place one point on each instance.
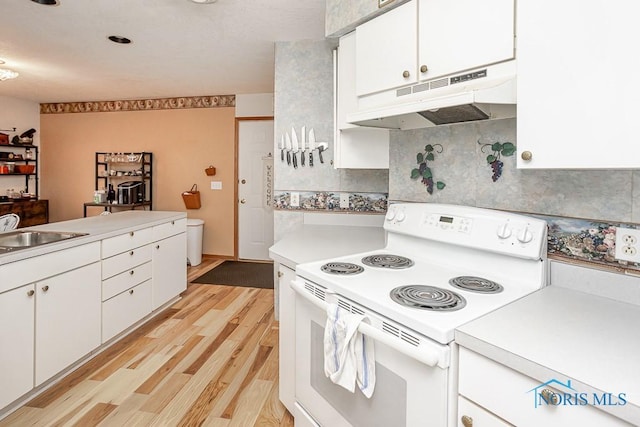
(423, 170)
(497, 149)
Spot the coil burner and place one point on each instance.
(396, 262)
(476, 284)
(427, 298)
(342, 268)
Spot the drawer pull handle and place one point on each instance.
(131, 234)
(131, 253)
(45, 288)
(131, 292)
(280, 274)
(30, 293)
(467, 421)
(550, 396)
(131, 272)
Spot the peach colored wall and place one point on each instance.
(183, 142)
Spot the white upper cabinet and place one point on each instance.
(573, 97)
(355, 147)
(427, 39)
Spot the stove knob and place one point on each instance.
(391, 213)
(504, 232)
(400, 216)
(525, 236)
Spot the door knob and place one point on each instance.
(244, 181)
(243, 201)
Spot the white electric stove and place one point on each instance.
(442, 266)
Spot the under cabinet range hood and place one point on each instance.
(484, 94)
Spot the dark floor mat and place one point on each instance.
(237, 273)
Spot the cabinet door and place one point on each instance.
(287, 332)
(169, 269)
(458, 35)
(16, 343)
(386, 48)
(573, 97)
(67, 319)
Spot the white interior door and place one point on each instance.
(255, 218)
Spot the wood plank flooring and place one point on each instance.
(209, 360)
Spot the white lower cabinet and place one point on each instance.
(493, 394)
(287, 332)
(125, 309)
(67, 319)
(169, 269)
(16, 334)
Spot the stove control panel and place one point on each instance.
(484, 229)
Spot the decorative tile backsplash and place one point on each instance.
(330, 201)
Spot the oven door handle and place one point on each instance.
(422, 353)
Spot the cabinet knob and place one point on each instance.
(157, 246)
(131, 272)
(45, 288)
(424, 68)
(131, 234)
(549, 396)
(131, 292)
(131, 253)
(280, 274)
(467, 421)
(173, 223)
(406, 74)
(30, 293)
(526, 155)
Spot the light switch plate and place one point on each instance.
(295, 199)
(216, 185)
(627, 244)
(344, 200)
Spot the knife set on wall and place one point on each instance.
(290, 146)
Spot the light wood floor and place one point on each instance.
(209, 360)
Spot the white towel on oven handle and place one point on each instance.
(349, 356)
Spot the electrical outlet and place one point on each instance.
(344, 200)
(627, 248)
(295, 199)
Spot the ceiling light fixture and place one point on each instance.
(6, 74)
(119, 39)
(46, 2)
(204, 1)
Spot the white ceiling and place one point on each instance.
(179, 48)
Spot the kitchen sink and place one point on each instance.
(15, 240)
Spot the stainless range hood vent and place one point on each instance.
(488, 93)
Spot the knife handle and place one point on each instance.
(302, 156)
(282, 154)
(310, 157)
(295, 160)
(320, 155)
(288, 158)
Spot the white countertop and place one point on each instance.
(98, 227)
(566, 334)
(316, 242)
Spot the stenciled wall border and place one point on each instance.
(214, 101)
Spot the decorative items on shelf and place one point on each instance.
(498, 149)
(290, 146)
(423, 170)
(210, 171)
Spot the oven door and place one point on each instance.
(407, 392)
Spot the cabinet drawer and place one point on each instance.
(169, 229)
(125, 242)
(41, 267)
(125, 261)
(125, 280)
(514, 397)
(478, 416)
(125, 309)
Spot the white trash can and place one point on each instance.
(194, 241)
